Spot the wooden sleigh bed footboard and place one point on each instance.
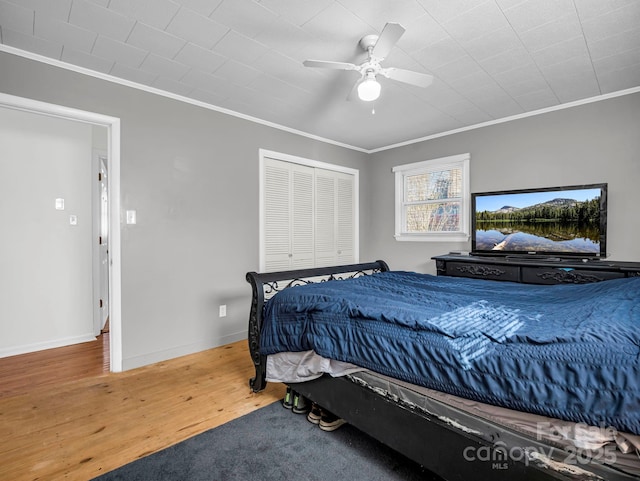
(449, 449)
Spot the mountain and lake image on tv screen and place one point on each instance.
(547, 221)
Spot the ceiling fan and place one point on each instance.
(377, 48)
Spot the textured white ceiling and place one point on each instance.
(491, 59)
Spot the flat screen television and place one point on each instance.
(568, 221)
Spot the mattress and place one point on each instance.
(568, 352)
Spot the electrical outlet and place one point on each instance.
(223, 310)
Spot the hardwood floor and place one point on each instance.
(23, 373)
(81, 426)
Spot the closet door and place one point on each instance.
(288, 215)
(325, 206)
(345, 218)
(302, 229)
(277, 217)
(335, 215)
(308, 215)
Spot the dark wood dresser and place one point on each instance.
(530, 270)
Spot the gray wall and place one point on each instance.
(597, 142)
(45, 263)
(192, 176)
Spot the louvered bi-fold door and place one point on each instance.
(288, 215)
(302, 231)
(334, 223)
(277, 215)
(325, 252)
(345, 219)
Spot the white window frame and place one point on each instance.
(262, 153)
(433, 165)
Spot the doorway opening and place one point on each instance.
(110, 213)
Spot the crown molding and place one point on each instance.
(511, 118)
(181, 98)
(164, 93)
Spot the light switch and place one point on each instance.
(73, 219)
(59, 204)
(131, 217)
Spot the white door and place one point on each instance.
(345, 219)
(103, 241)
(334, 208)
(288, 215)
(325, 209)
(308, 213)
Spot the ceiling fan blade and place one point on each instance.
(331, 65)
(408, 76)
(353, 93)
(389, 36)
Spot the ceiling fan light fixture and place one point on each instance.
(369, 88)
(377, 48)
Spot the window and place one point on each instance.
(432, 200)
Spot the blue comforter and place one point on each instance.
(566, 351)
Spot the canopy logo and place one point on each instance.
(587, 444)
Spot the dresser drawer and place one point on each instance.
(483, 271)
(549, 275)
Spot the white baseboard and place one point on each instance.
(41, 346)
(159, 356)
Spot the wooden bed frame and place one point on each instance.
(440, 447)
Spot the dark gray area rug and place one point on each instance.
(273, 444)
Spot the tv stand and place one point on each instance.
(526, 258)
(533, 270)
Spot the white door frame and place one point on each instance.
(113, 166)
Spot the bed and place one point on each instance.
(473, 379)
